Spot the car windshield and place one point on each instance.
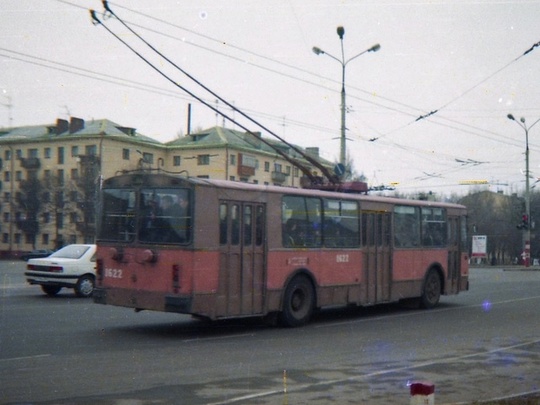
(71, 252)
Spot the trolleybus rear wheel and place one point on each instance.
(431, 293)
(298, 302)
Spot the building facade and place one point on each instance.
(50, 174)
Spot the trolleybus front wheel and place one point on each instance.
(298, 302)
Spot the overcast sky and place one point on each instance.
(463, 59)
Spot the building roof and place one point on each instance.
(221, 137)
(76, 127)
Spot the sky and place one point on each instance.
(427, 112)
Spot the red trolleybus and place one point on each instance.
(220, 249)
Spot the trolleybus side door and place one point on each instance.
(377, 256)
(242, 259)
(454, 255)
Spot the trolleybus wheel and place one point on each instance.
(298, 302)
(432, 290)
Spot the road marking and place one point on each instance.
(301, 387)
(37, 356)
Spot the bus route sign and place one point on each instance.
(479, 246)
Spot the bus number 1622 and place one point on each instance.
(113, 273)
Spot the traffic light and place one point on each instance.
(524, 222)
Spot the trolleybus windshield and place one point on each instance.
(150, 215)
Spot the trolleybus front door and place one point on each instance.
(454, 256)
(242, 259)
(377, 256)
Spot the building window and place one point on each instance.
(7, 176)
(45, 239)
(18, 175)
(7, 154)
(47, 153)
(176, 160)
(6, 216)
(33, 153)
(148, 157)
(203, 160)
(60, 175)
(75, 174)
(233, 160)
(18, 154)
(74, 151)
(5, 238)
(46, 217)
(61, 155)
(91, 150)
(267, 166)
(73, 218)
(60, 220)
(125, 154)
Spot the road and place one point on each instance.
(481, 344)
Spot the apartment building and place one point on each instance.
(50, 174)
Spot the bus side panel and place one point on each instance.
(410, 267)
(337, 274)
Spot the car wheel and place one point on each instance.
(51, 290)
(85, 286)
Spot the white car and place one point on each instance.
(73, 266)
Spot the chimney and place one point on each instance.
(76, 124)
(313, 151)
(61, 126)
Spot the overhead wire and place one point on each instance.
(472, 129)
(333, 179)
(306, 171)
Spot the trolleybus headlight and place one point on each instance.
(149, 256)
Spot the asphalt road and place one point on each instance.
(478, 345)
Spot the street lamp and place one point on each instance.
(343, 62)
(527, 222)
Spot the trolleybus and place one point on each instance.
(220, 249)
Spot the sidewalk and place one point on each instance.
(510, 267)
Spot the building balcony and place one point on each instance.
(278, 177)
(30, 163)
(246, 171)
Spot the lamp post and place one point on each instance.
(343, 62)
(527, 221)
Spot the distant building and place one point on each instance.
(69, 158)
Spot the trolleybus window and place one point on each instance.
(165, 216)
(434, 231)
(118, 218)
(407, 226)
(301, 221)
(341, 224)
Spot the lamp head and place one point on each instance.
(511, 117)
(340, 32)
(374, 48)
(522, 119)
(317, 51)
